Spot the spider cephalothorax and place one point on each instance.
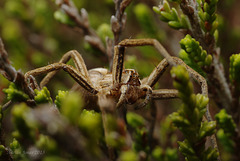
(122, 85)
(131, 88)
(131, 85)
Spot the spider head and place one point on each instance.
(132, 77)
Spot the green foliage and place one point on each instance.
(234, 68)
(12, 32)
(186, 149)
(227, 130)
(42, 96)
(170, 15)
(2, 150)
(23, 121)
(145, 18)
(183, 84)
(47, 144)
(15, 94)
(189, 119)
(62, 17)
(171, 154)
(207, 14)
(141, 137)
(138, 124)
(114, 132)
(210, 154)
(71, 107)
(159, 154)
(207, 129)
(167, 133)
(104, 30)
(27, 37)
(60, 98)
(135, 120)
(225, 140)
(144, 68)
(17, 151)
(1, 117)
(193, 54)
(226, 122)
(128, 156)
(54, 158)
(90, 121)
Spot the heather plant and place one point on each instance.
(57, 121)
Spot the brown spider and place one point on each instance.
(122, 85)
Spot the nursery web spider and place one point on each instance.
(122, 85)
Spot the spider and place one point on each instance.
(122, 85)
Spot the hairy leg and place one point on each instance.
(122, 98)
(157, 72)
(148, 96)
(164, 94)
(117, 67)
(78, 61)
(73, 72)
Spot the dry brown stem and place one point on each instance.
(66, 135)
(82, 23)
(118, 21)
(10, 73)
(215, 73)
(6, 69)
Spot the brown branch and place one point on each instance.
(235, 112)
(215, 73)
(118, 22)
(82, 23)
(5, 153)
(69, 138)
(10, 73)
(6, 69)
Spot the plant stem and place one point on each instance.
(216, 72)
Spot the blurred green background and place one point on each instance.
(34, 38)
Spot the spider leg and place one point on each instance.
(122, 98)
(164, 94)
(117, 66)
(73, 72)
(168, 59)
(157, 73)
(78, 61)
(172, 61)
(148, 42)
(148, 96)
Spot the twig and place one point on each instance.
(235, 103)
(82, 23)
(118, 21)
(10, 73)
(207, 41)
(68, 137)
(5, 153)
(6, 105)
(107, 107)
(6, 68)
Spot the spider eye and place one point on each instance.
(145, 89)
